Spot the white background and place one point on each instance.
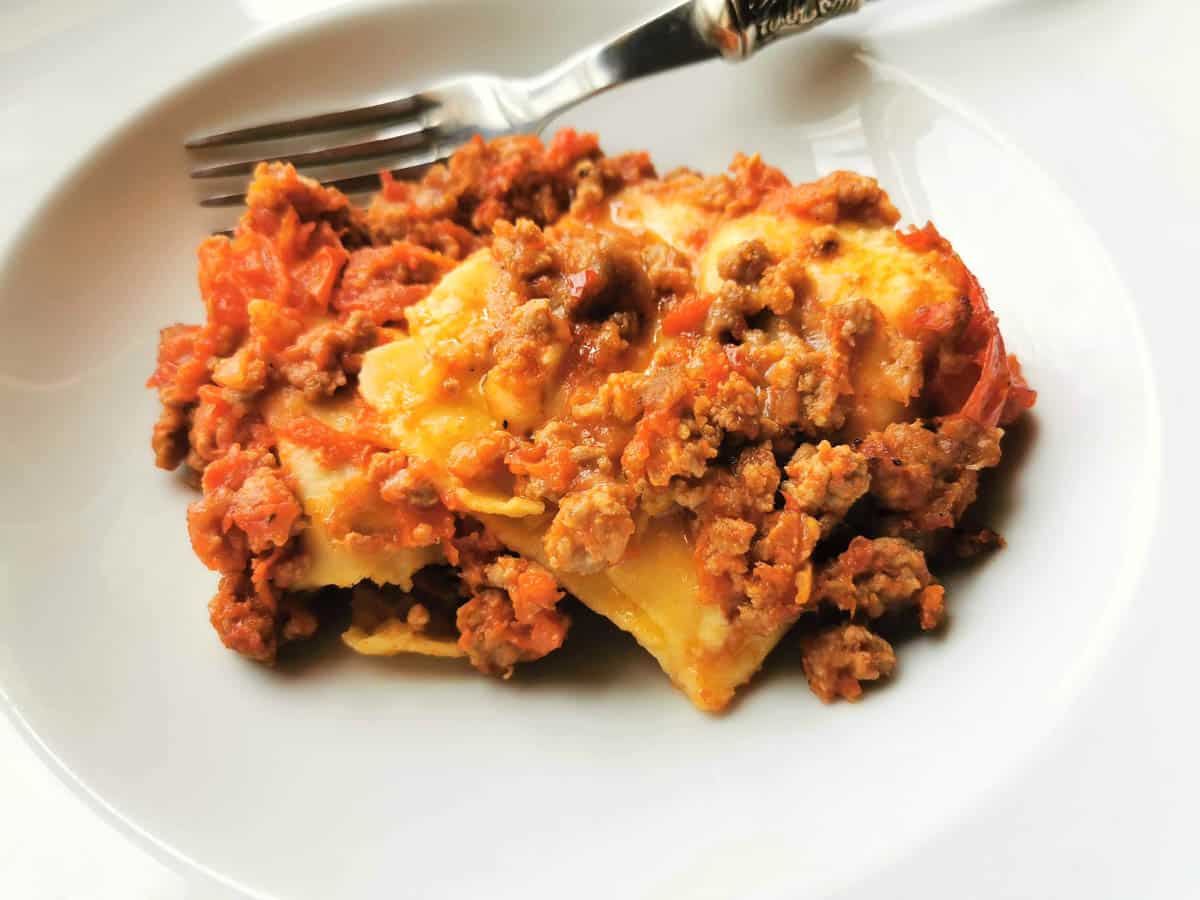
(1107, 810)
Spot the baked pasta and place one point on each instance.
(711, 409)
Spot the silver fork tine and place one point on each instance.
(489, 105)
(223, 200)
(398, 109)
(351, 184)
(414, 139)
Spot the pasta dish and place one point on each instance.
(716, 410)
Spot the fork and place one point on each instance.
(416, 131)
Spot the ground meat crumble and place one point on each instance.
(837, 660)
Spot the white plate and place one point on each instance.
(588, 775)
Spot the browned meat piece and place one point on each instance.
(244, 372)
(325, 357)
(186, 354)
(244, 616)
(669, 270)
(600, 178)
(527, 351)
(405, 484)
(873, 577)
(927, 477)
(804, 392)
(505, 179)
(723, 545)
(754, 282)
(169, 438)
(838, 660)
(514, 618)
(591, 529)
(419, 517)
(969, 544)
(586, 276)
(278, 187)
(246, 510)
(751, 556)
(668, 445)
(183, 353)
(524, 253)
(744, 262)
(735, 407)
(788, 536)
(840, 197)
(747, 489)
(384, 281)
(222, 419)
(254, 617)
(824, 481)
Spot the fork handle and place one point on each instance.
(691, 32)
(739, 28)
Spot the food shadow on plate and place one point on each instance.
(830, 78)
(997, 500)
(596, 654)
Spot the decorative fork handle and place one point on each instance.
(691, 32)
(738, 28)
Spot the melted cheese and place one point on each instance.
(681, 225)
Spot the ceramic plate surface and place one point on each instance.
(586, 775)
